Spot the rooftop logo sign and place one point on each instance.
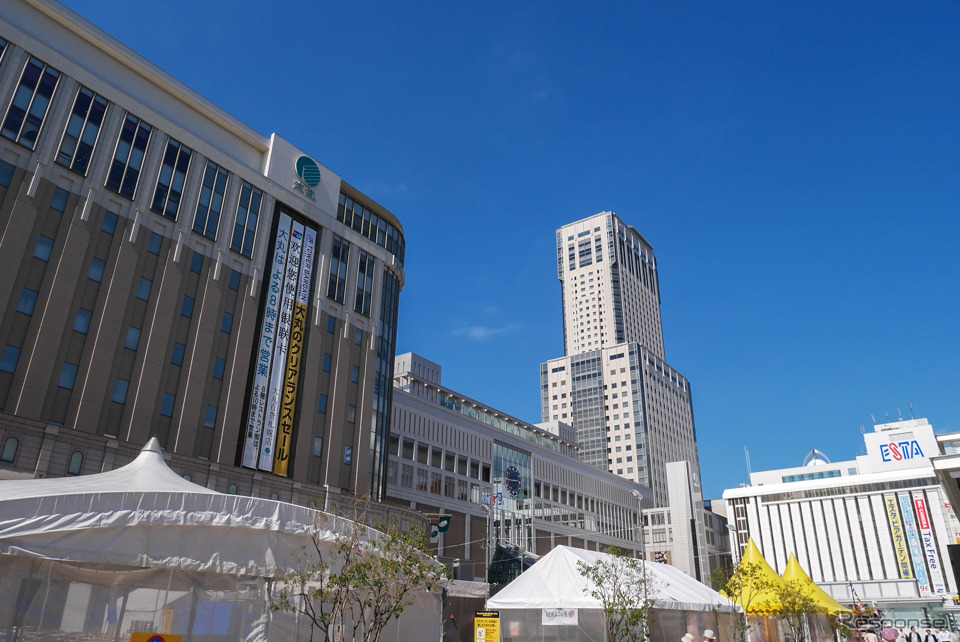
(901, 450)
(308, 173)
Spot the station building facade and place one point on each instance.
(169, 271)
(879, 528)
(450, 454)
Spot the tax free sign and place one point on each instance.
(900, 449)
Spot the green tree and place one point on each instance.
(795, 601)
(357, 579)
(625, 590)
(742, 585)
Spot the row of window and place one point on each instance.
(11, 446)
(24, 120)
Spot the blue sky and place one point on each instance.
(794, 165)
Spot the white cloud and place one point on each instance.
(482, 332)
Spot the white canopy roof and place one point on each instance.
(555, 582)
(146, 515)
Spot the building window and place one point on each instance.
(406, 475)
(76, 463)
(186, 309)
(322, 404)
(156, 242)
(133, 338)
(109, 223)
(318, 446)
(351, 413)
(234, 280)
(28, 301)
(358, 336)
(226, 325)
(178, 351)
(120, 390)
(364, 284)
(207, 218)
(82, 324)
(128, 157)
(219, 365)
(173, 174)
(6, 173)
(327, 362)
(97, 267)
(10, 447)
(30, 101)
(44, 248)
(355, 374)
(210, 418)
(59, 199)
(248, 213)
(331, 325)
(68, 376)
(143, 290)
(166, 406)
(196, 263)
(82, 131)
(338, 269)
(232, 489)
(10, 359)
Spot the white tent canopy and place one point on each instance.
(555, 582)
(145, 515)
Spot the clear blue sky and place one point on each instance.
(794, 165)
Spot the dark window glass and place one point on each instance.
(327, 361)
(156, 242)
(322, 404)
(133, 338)
(44, 248)
(82, 324)
(207, 219)
(76, 463)
(6, 173)
(178, 351)
(30, 101)
(28, 301)
(166, 406)
(355, 374)
(128, 157)
(10, 358)
(364, 284)
(234, 280)
(358, 336)
(331, 325)
(109, 223)
(143, 290)
(68, 376)
(82, 131)
(248, 213)
(196, 264)
(120, 390)
(10, 449)
(59, 199)
(338, 269)
(96, 270)
(210, 418)
(227, 324)
(218, 367)
(173, 174)
(187, 308)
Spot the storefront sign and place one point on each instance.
(916, 551)
(899, 537)
(929, 546)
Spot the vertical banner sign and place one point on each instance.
(916, 551)
(899, 537)
(291, 276)
(295, 355)
(261, 379)
(929, 546)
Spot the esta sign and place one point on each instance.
(899, 451)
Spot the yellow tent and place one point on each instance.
(754, 600)
(796, 573)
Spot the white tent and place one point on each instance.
(77, 553)
(680, 604)
(555, 582)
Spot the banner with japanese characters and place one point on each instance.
(264, 355)
(295, 355)
(916, 551)
(899, 537)
(929, 545)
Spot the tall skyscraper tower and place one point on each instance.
(633, 413)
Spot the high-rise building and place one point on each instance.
(632, 412)
(169, 271)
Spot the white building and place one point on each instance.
(449, 453)
(879, 525)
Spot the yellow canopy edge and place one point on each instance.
(753, 599)
(795, 572)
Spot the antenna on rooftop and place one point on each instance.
(862, 431)
(911, 411)
(899, 415)
(874, 417)
(746, 453)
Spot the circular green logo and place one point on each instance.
(308, 171)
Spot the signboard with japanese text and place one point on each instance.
(907, 447)
(916, 551)
(899, 537)
(486, 626)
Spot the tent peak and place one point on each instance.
(152, 446)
